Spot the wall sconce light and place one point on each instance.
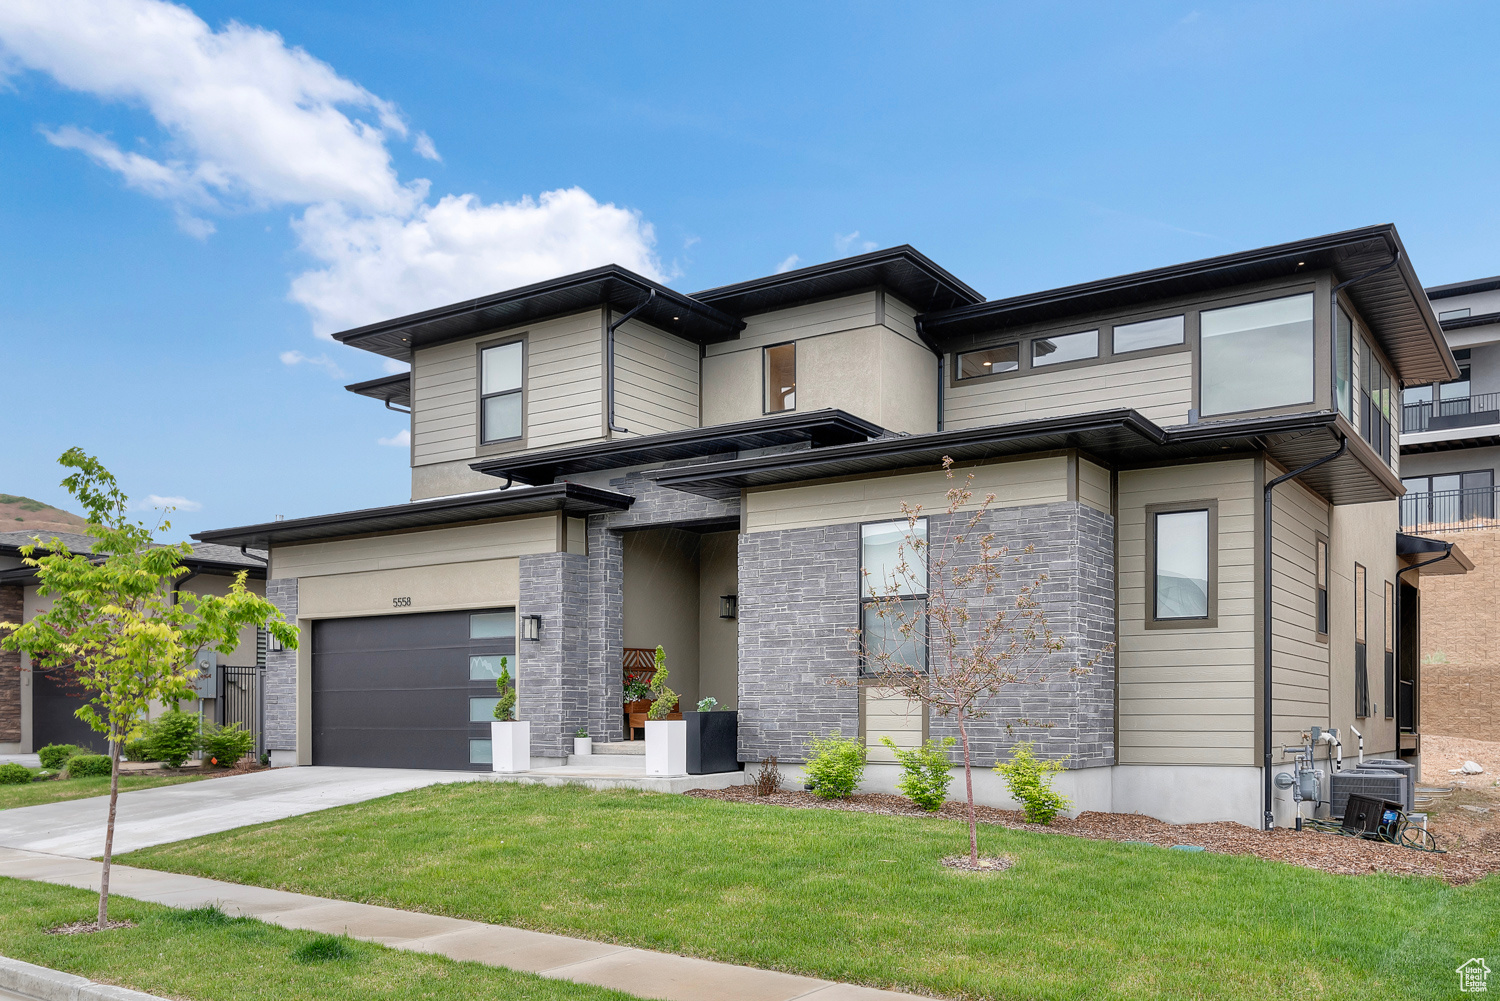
(531, 627)
(272, 643)
(729, 606)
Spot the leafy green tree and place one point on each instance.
(118, 624)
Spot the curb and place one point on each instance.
(51, 985)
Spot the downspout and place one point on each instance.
(244, 551)
(942, 370)
(1267, 633)
(609, 378)
(1396, 632)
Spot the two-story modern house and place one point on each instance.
(1204, 457)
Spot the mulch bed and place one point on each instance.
(86, 927)
(987, 863)
(1466, 861)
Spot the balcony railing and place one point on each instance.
(1450, 510)
(1442, 415)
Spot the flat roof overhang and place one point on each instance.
(610, 285)
(818, 428)
(393, 390)
(1441, 441)
(1393, 302)
(1464, 288)
(1414, 549)
(571, 498)
(904, 270)
(1118, 438)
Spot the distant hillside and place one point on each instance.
(22, 514)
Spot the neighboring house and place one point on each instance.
(1450, 451)
(37, 706)
(601, 465)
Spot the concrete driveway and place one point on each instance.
(173, 813)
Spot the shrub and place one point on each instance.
(925, 771)
(582, 732)
(708, 705)
(1030, 781)
(505, 709)
(54, 756)
(87, 766)
(173, 736)
(226, 745)
(768, 779)
(12, 774)
(666, 699)
(835, 765)
(138, 750)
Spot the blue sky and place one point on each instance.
(195, 194)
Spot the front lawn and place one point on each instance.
(58, 790)
(863, 898)
(202, 956)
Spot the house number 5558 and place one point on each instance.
(401, 602)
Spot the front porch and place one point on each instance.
(618, 765)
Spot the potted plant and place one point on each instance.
(666, 739)
(637, 705)
(713, 738)
(582, 742)
(510, 738)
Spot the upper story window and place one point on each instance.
(1257, 356)
(500, 391)
(1004, 358)
(1459, 388)
(1454, 314)
(1064, 348)
(1148, 334)
(1343, 376)
(1375, 402)
(893, 569)
(781, 378)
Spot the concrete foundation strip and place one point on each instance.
(41, 984)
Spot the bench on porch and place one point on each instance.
(640, 665)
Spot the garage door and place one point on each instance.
(55, 697)
(408, 691)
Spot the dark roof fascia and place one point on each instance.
(610, 285)
(253, 571)
(392, 389)
(904, 270)
(1121, 437)
(1393, 303)
(1464, 288)
(569, 497)
(1460, 322)
(820, 428)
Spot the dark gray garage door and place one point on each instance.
(55, 698)
(408, 691)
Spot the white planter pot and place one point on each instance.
(666, 747)
(510, 746)
(583, 745)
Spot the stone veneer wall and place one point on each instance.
(553, 685)
(1460, 678)
(799, 599)
(11, 610)
(281, 673)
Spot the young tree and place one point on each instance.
(118, 625)
(976, 647)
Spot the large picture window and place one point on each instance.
(1257, 356)
(1182, 564)
(500, 391)
(781, 378)
(894, 571)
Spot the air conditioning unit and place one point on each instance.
(1405, 769)
(1377, 784)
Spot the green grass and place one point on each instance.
(59, 790)
(203, 955)
(863, 898)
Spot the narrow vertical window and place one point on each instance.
(893, 594)
(1344, 365)
(500, 382)
(1180, 565)
(1390, 651)
(1322, 583)
(781, 378)
(1361, 668)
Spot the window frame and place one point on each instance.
(1254, 299)
(1114, 328)
(1211, 620)
(1321, 575)
(866, 599)
(765, 378)
(958, 361)
(1389, 608)
(487, 446)
(1032, 342)
(1361, 644)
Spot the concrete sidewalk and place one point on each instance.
(636, 971)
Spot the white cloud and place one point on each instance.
(401, 439)
(249, 122)
(327, 364)
(788, 264)
(850, 243)
(394, 367)
(153, 502)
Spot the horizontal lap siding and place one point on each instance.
(1093, 486)
(656, 380)
(1300, 662)
(459, 544)
(1187, 696)
(1159, 386)
(443, 403)
(1015, 484)
(890, 714)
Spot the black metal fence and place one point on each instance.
(1449, 510)
(240, 702)
(1465, 411)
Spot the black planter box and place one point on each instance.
(713, 741)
